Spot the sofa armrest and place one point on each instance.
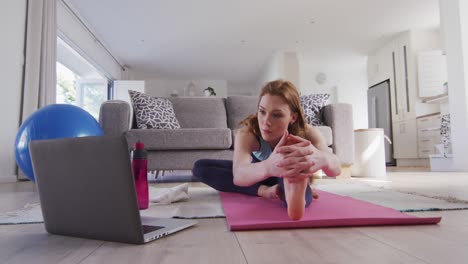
(340, 118)
(114, 117)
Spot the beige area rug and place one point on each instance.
(204, 202)
(174, 202)
(396, 199)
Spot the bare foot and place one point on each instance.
(295, 197)
(269, 192)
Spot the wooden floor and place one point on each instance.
(211, 242)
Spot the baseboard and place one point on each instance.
(7, 178)
(413, 163)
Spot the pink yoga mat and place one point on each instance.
(330, 210)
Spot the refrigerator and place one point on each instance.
(380, 115)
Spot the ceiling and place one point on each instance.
(233, 40)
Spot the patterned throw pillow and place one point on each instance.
(312, 105)
(153, 112)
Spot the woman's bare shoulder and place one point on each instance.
(246, 139)
(314, 135)
(310, 130)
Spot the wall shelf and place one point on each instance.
(438, 99)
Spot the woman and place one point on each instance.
(275, 153)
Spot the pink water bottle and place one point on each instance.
(140, 172)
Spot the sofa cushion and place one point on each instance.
(114, 116)
(153, 112)
(182, 139)
(327, 134)
(340, 118)
(312, 105)
(200, 112)
(238, 107)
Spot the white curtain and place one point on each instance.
(39, 83)
(40, 59)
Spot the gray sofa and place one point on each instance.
(208, 127)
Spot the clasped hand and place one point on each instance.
(295, 158)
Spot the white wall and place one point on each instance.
(281, 65)
(291, 69)
(272, 70)
(429, 39)
(346, 78)
(164, 87)
(242, 89)
(346, 82)
(12, 23)
(454, 24)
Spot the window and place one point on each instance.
(78, 82)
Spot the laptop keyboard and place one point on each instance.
(147, 228)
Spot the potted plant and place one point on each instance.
(209, 92)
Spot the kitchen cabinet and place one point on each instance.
(404, 85)
(428, 134)
(394, 62)
(432, 73)
(405, 139)
(403, 90)
(397, 62)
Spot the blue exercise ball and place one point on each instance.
(50, 122)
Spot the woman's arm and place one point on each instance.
(247, 173)
(306, 156)
(331, 166)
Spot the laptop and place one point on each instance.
(86, 189)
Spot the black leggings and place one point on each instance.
(218, 174)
